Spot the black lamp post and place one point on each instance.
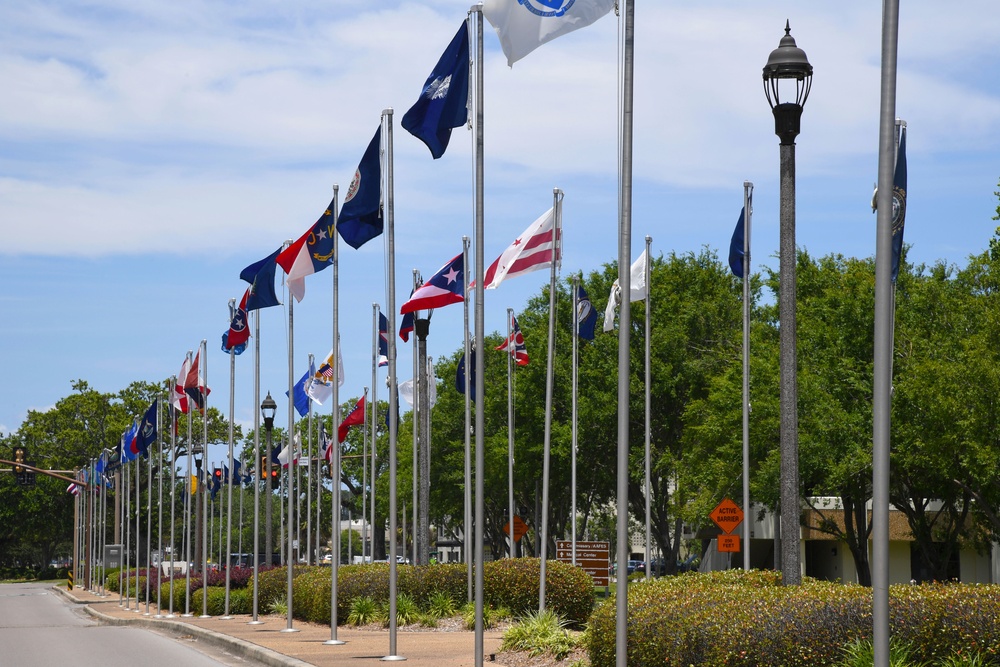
(788, 65)
(268, 408)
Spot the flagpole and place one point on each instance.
(557, 197)
(417, 416)
(479, 330)
(138, 515)
(374, 428)
(159, 517)
(128, 536)
(290, 558)
(467, 525)
(309, 487)
(203, 371)
(882, 384)
(257, 468)
(173, 502)
(576, 373)
(648, 457)
(335, 421)
(747, 529)
(190, 497)
(149, 511)
(232, 470)
(369, 412)
(624, 330)
(393, 389)
(510, 433)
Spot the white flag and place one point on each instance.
(321, 387)
(524, 25)
(637, 290)
(285, 455)
(406, 390)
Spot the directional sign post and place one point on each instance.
(592, 557)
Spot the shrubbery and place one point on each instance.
(750, 620)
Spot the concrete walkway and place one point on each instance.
(266, 644)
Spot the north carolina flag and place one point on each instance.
(444, 287)
(529, 252)
(524, 25)
(311, 253)
(356, 417)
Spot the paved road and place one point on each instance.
(39, 628)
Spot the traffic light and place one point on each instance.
(20, 456)
(217, 473)
(263, 469)
(275, 477)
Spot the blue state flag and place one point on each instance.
(300, 391)
(736, 244)
(147, 432)
(586, 315)
(443, 102)
(125, 448)
(460, 374)
(260, 275)
(361, 215)
(898, 203)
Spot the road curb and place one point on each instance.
(238, 647)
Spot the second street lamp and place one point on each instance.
(788, 71)
(267, 409)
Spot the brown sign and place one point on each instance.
(592, 557)
(729, 544)
(520, 528)
(727, 515)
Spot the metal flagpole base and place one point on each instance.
(205, 616)
(392, 658)
(334, 642)
(255, 622)
(290, 630)
(186, 615)
(227, 618)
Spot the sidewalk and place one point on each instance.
(266, 644)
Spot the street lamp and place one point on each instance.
(785, 65)
(268, 408)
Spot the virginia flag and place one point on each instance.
(239, 330)
(444, 287)
(586, 315)
(637, 290)
(531, 251)
(311, 253)
(361, 215)
(524, 25)
(383, 340)
(260, 275)
(356, 417)
(443, 102)
(736, 244)
(515, 344)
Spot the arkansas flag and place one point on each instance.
(515, 344)
(529, 252)
(356, 417)
(311, 253)
(444, 287)
(524, 25)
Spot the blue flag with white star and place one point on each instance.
(444, 287)
(443, 102)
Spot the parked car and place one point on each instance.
(632, 567)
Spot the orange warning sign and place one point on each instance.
(728, 543)
(520, 528)
(727, 515)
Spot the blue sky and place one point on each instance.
(149, 151)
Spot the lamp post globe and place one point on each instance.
(787, 82)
